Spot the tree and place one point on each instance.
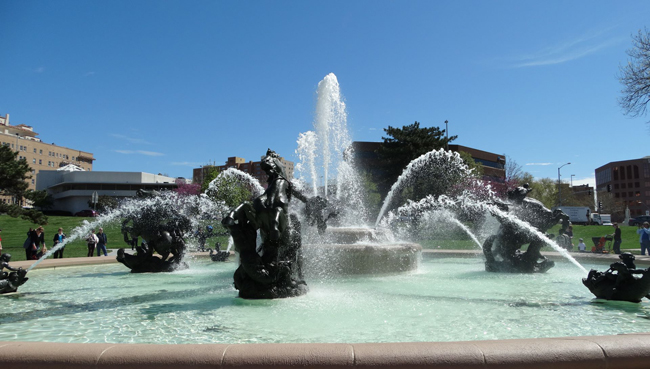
(13, 183)
(636, 76)
(402, 145)
(472, 164)
(514, 173)
(210, 172)
(544, 190)
(229, 190)
(187, 189)
(104, 203)
(40, 199)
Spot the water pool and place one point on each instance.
(446, 299)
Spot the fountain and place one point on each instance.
(393, 318)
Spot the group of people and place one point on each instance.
(97, 241)
(35, 245)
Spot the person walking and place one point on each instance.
(644, 238)
(58, 238)
(617, 239)
(92, 241)
(101, 243)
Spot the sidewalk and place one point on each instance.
(640, 261)
(94, 260)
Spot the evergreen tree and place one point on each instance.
(402, 145)
(13, 183)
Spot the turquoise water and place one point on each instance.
(447, 299)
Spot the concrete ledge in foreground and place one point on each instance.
(631, 351)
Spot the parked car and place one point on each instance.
(639, 220)
(86, 213)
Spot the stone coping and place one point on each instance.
(628, 351)
(631, 351)
(640, 261)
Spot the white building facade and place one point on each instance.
(71, 190)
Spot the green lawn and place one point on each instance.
(14, 232)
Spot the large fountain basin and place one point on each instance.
(592, 351)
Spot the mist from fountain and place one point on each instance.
(431, 211)
(195, 208)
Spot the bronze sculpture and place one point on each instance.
(622, 281)
(9, 282)
(162, 227)
(502, 251)
(274, 270)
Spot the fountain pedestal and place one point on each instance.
(359, 251)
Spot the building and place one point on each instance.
(627, 182)
(494, 165)
(40, 155)
(366, 158)
(252, 167)
(71, 190)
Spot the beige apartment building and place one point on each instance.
(38, 154)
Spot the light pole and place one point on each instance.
(573, 175)
(559, 184)
(447, 132)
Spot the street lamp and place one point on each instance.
(559, 187)
(447, 132)
(573, 175)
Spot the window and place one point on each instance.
(32, 181)
(34, 161)
(40, 152)
(34, 150)
(40, 161)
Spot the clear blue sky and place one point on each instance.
(166, 86)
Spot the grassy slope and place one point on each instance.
(14, 233)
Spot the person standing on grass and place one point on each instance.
(58, 238)
(0, 242)
(37, 239)
(92, 241)
(644, 238)
(101, 243)
(617, 239)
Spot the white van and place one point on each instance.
(601, 219)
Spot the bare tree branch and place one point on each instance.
(635, 76)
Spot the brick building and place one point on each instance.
(366, 158)
(38, 154)
(628, 182)
(251, 167)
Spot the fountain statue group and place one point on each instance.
(163, 229)
(503, 250)
(274, 268)
(10, 281)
